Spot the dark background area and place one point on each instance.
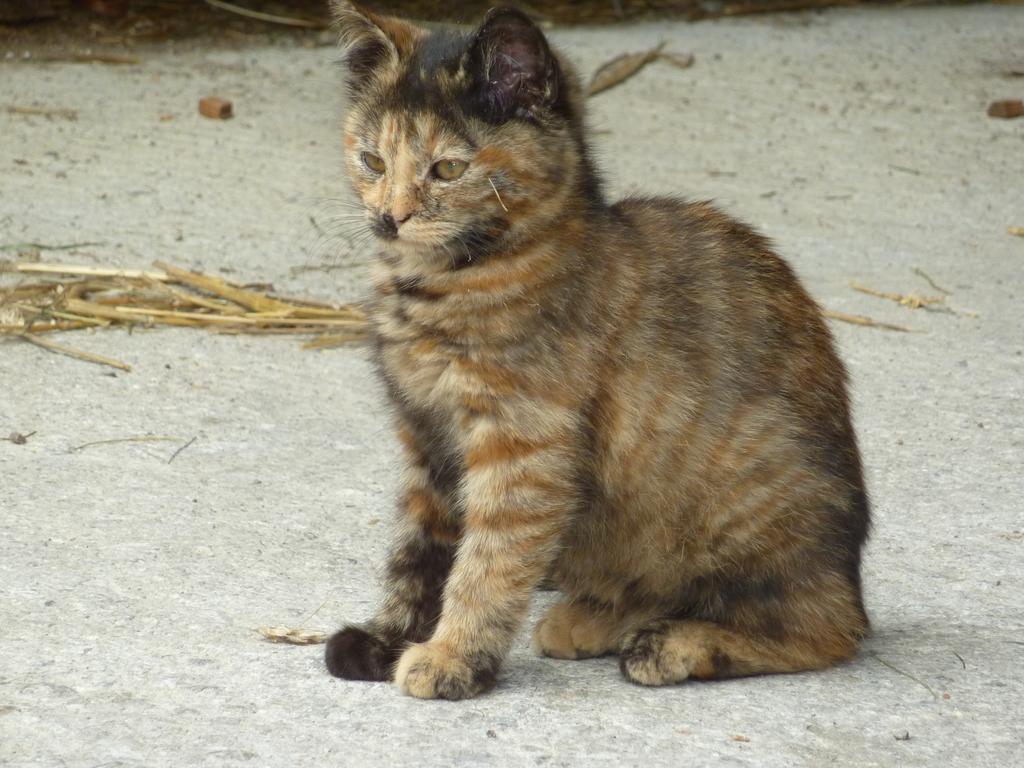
(120, 22)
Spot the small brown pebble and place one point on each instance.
(166, 116)
(215, 107)
(945, 697)
(743, 739)
(1006, 108)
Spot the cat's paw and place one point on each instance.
(357, 654)
(571, 631)
(431, 671)
(553, 635)
(646, 658)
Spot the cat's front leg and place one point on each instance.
(520, 489)
(418, 566)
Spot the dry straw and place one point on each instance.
(66, 297)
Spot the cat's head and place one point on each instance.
(456, 140)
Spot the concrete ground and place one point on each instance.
(132, 586)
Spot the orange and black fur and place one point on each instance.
(636, 398)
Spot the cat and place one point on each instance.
(636, 399)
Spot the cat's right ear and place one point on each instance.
(515, 72)
(370, 42)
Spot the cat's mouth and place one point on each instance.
(406, 236)
(384, 227)
(416, 232)
(461, 245)
(413, 230)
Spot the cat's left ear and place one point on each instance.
(371, 42)
(514, 71)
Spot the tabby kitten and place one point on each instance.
(637, 398)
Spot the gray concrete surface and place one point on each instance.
(131, 587)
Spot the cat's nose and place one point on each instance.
(396, 221)
(392, 222)
(387, 224)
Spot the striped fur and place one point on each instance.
(636, 398)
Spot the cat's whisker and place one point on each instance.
(497, 195)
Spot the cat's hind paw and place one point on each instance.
(572, 631)
(431, 671)
(647, 658)
(357, 654)
(552, 637)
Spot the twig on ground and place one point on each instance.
(69, 269)
(268, 17)
(253, 318)
(139, 439)
(301, 269)
(913, 301)
(9, 329)
(89, 57)
(905, 169)
(248, 299)
(194, 300)
(45, 247)
(88, 357)
(186, 445)
(866, 321)
(907, 675)
(64, 113)
(1016, 231)
(48, 312)
(922, 274)
(334, 340)
(315, 612)
(910, 300)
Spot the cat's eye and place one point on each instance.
(373, 162)
(449, 170)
